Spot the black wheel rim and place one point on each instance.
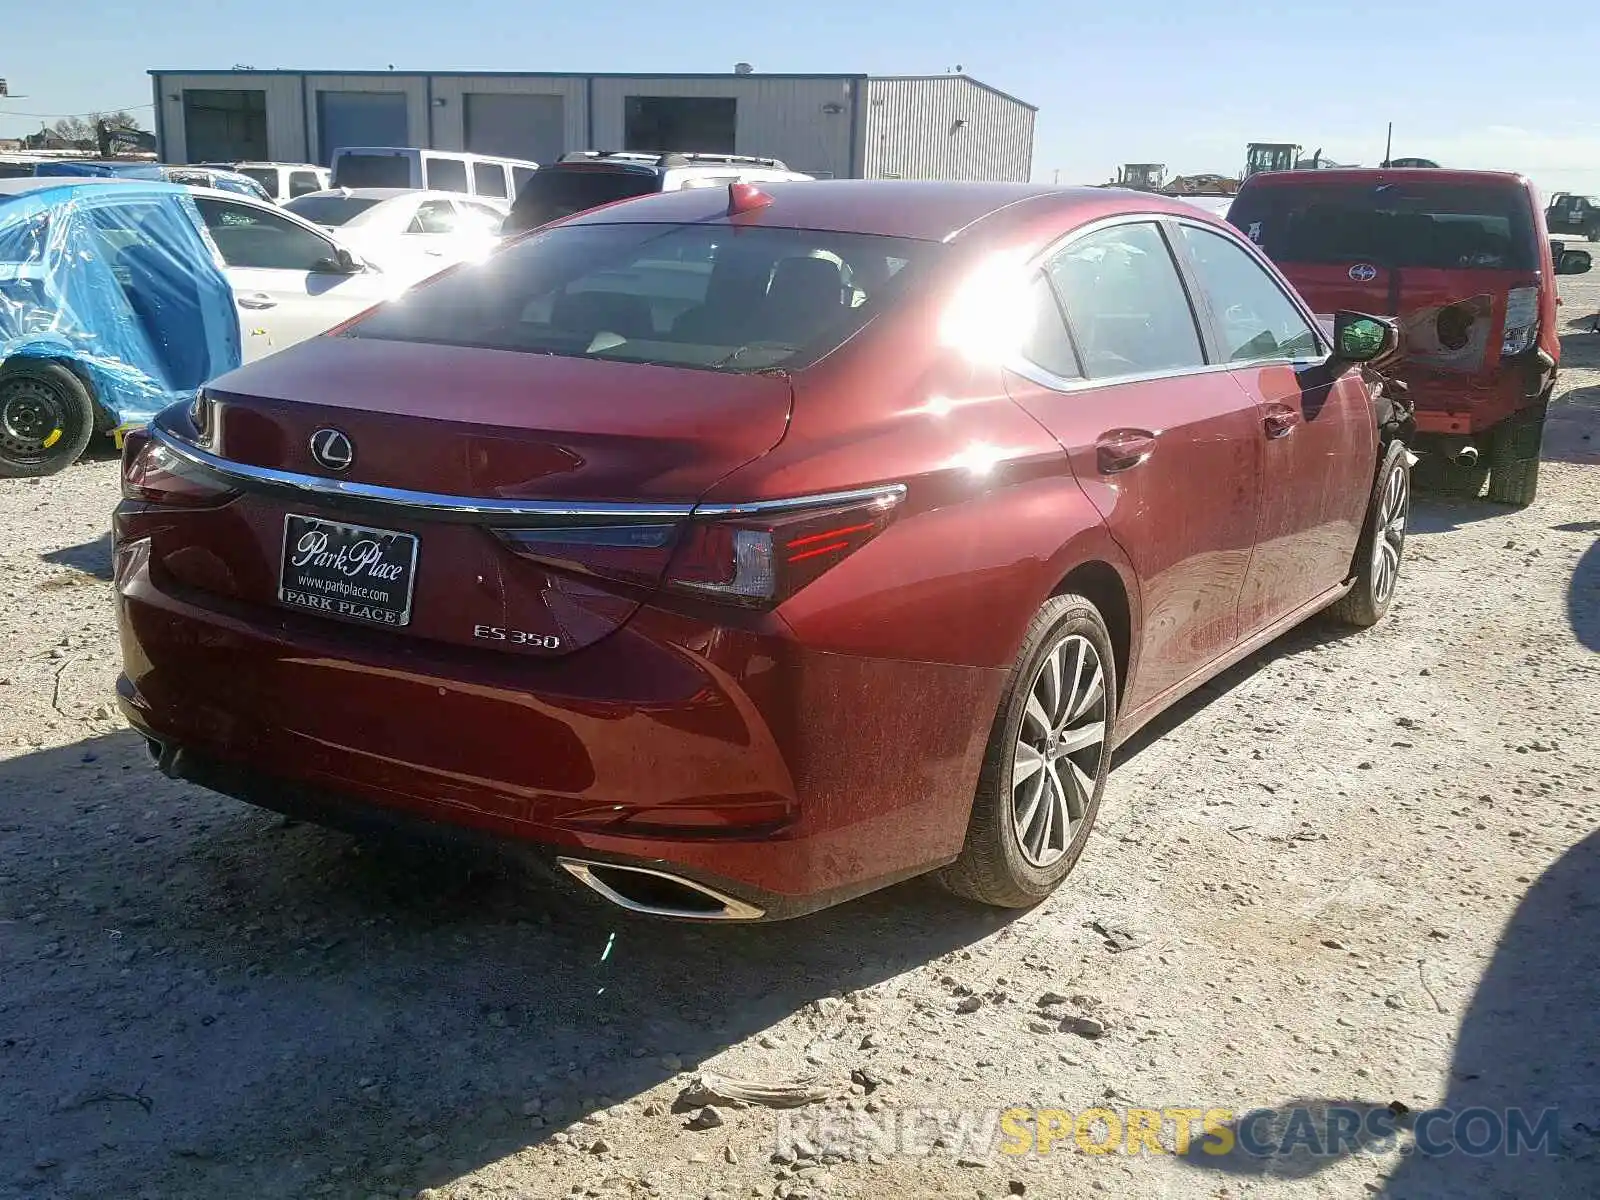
(33, 419)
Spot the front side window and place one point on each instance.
(445, 174)
(488, 179)
(1126, 303)
(705, 296)
(249, 237)
(303, 183)
(1257, 321)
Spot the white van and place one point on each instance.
(430, 170)
(283, 181)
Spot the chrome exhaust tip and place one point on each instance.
(658, 893)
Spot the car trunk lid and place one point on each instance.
(458, 460)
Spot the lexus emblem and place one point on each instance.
(332, 449)
(1363, 272)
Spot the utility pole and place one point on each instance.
(1055, 177)
(1388, 145)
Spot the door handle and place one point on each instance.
(1280, 421)
(1123, 449)
(258, 300)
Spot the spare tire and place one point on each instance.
(46, 418)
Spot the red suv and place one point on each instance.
(1462, 259)
(752, 551)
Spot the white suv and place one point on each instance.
(586, 179)
(283, 181)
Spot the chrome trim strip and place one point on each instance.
(732, 910)
(422, 501)
(889, 493)
(459, 506)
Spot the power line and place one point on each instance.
(98, 112)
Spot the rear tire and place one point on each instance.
(46, 418)
(1382, 546)
(1046, 765)
(1514, 456)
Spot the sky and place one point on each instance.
(1465, 84)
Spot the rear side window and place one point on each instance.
(1438, 226)
(556, 192)
(702, 296)
(1257, 321)
(488, 179)
(1048, 344)
(445, 174)
(303, 182)
(1126, 303)
(267, 177)
(372, 170)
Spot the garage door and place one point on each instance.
(515, 126)
(360, 119)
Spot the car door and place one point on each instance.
(1163, 443)
(285, 277)
(1318, 439)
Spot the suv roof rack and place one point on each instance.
(676, 158)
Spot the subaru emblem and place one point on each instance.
(1363, 272)
(332, 449)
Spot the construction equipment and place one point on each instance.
(1270, 156)
(1141, 177)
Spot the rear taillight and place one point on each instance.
(753, 555)
(1522, 320)
(153, 474)
(763, 560)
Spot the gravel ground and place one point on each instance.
(1356, 869)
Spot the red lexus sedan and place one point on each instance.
(746, 551)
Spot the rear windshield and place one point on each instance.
(1432, 225)
(329, 210)
(556, 192)
(372, 170)
(706, 296)
(267, 177)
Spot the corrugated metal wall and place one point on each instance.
(782, 118)
(900, 128)
(945, 128)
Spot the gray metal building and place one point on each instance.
(844, 126)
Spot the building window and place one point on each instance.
(685, 123)
(224, 126)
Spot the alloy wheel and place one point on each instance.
(1394, 505)
(1059, 750)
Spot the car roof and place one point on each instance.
(925, 211)
(1360, 175)
(378, 193)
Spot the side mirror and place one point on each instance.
(1573, 262)
(342, 262)
(1359, 338)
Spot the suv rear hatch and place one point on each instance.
(1457, 262)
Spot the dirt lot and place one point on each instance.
(1357, 869)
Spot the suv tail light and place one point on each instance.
(740, 554)
(1522, 320)
(153, 474)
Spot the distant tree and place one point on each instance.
(76, 132)
(121, 119)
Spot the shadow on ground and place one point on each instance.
(92, 558)
(202, 999)
(1529, 1041)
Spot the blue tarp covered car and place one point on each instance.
(113, 305)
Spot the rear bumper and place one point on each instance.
(785, 777)
(1464, 405)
